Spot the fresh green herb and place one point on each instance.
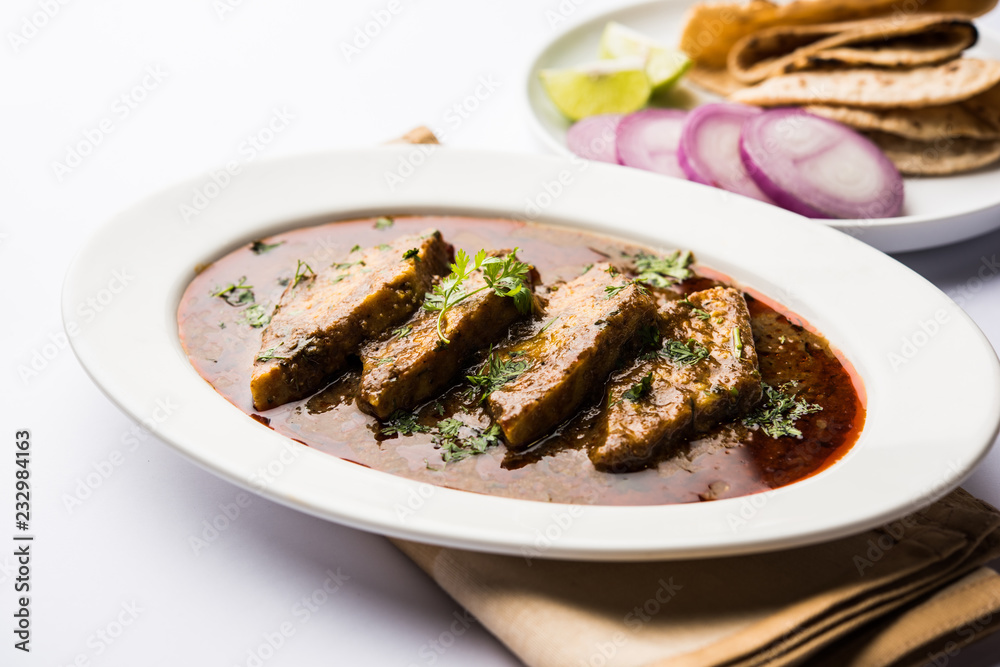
(222, 325)
(639, 390)
(355, 249)
(259, 247)
(779, 411)
(384, 246)
(385, 360)
(384, 223)
(611, 270)
(402, 332)
(698, 312)
(505, 276)
(284, 281)
(343, 266)
(454, 448)
(412, 252)
(302, 272)
(256, 316)
(269, 354)
(495, 373)
(782, 339)
(649, 335)
(236, 294)
(737, 343)
(439, 408)
(401, 422)
(612, 290)
(548, 324)
(683, 354)
(664, 271)
(587, 268)
(337, 278)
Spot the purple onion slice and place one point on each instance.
(710, 148)
(649, 140)
(818, 167)
(594, 137)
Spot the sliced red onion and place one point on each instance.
(709, 150)
(818, 167)
(649, 139)
(594, 137)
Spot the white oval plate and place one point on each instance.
(933, 410)
(937, 211)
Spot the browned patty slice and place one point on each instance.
(571, 355)
(415, 364)
(682, 399)
(323, 318)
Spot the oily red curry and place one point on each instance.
(227, 309)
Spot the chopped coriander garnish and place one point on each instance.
(495, 373)
(639, 390)
(302, 272)
(454, 448)
(401, 422)
(506, 276)
(259, 247)
(384, 222)
(402, 332)
(649, 335)
(612, 290)
(587, 268)
(664, 271)
(236, 294)
(698, 312)
(385, 360)
(269, 354)
(439, 408)
(343, 266)
(683, 354)
(779, 411)
(412, 252)
(782, 339)
(611, 270)
(256, 316)
(548, 324)
(355, 248)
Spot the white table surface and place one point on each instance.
(115, 579)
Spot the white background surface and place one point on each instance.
(128, 543)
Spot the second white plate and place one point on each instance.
(937, 211)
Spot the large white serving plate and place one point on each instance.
(932, 380)
(937, 211)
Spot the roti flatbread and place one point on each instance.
(712, 29)
(923, 39)
(873, 88)
(944, 156)
(927, 124)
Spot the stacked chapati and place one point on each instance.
(893, 70)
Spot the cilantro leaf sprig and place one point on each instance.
(779, 411)
(455, 448)
(683, 353)
(236, 294)
(506, 276)
(664, 271)
(640, 389)
(495, 373)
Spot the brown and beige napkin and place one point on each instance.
(904, 594)
(897, 595)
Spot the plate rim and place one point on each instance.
(857, 225)
(432, 523)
